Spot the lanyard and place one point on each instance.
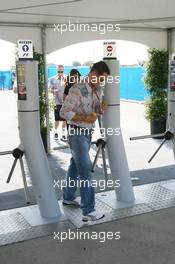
(95, 92)
(97, 96)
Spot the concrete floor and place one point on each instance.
(147, 238)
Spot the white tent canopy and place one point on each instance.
(146, 21)
(145, 13)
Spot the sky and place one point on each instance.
(127, 52)
(7, 55)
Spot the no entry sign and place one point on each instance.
(109, 50)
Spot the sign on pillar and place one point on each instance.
(25, 49)
(109, 50)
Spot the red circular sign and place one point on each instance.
(109, 48)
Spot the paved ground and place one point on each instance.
(145, 239)
(138, 152)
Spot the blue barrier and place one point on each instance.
(52, 70)
(132, 84)
(5, 80)
(131, 80)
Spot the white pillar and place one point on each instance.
(171, 96)
(115, 146)
(29, 130)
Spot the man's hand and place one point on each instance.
(91, 118)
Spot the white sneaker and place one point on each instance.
(73, 202)
(64, 139)
(93, 216)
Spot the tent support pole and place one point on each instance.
(43, 43)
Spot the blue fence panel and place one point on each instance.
(52, 70)
(131, 80)
(5, 80)
(132, 84)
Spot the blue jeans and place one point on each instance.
(79, 171)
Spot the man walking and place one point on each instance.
(80, 109)
(57, 89)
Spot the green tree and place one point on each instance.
(156, 82)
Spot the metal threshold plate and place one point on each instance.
(32, 215)
(25, 223)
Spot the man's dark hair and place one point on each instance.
(100, 67)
